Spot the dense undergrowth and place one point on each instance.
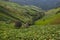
(35, 32)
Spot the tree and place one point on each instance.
(18, 24)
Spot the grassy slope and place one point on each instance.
(52, 17)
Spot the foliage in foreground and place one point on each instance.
(35, 32)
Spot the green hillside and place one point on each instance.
(10, 12)
(52, 17)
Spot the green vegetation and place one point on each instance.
(35, 32)
(44, 25)
(52, 17)
(11, 12)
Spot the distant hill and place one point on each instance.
(44, 4)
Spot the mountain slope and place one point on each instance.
(11, 11)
